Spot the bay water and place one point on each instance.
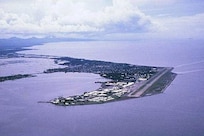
(178, 111)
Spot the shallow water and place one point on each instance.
(178, 111)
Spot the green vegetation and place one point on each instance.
(109, 70)
(127, 81)
(14, 77)
(160, 84)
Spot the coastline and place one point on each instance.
(143, 79)
(179, 107)
(113, 93)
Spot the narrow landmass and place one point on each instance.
(127, 81)
(14, 77)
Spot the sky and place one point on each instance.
(103, 19)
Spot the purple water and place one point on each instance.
(178, 111)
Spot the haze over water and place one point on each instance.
(178, 111)
(166, 33)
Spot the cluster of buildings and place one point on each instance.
(112, 91)
(122, 77)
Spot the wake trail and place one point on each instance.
(190, 71)
(187, 64)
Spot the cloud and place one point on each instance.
(50, 17)
(168, 28)
(100, 19)
(182, 27)
(154, 2)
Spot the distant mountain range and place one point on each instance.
(18, 43)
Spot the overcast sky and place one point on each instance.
(103, 19)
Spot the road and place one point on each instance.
(138, 89)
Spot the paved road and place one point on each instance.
(139, 88)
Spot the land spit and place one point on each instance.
(127, 81)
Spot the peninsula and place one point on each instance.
(126, 81)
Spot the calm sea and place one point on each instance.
(177, 112)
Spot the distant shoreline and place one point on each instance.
(127, 80)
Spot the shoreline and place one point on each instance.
(123, 85)
(127, 80)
